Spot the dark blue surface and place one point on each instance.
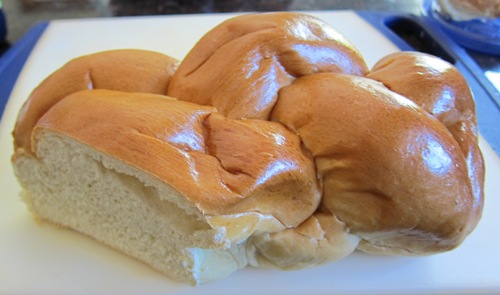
(12, 61)
(486, 96)
(3, 27)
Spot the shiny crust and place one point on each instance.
(124, 70)
(198, 152)
(383, 161)
(240, 66)
(439, 88)
(278, 132)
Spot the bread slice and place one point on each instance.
(73, 185)
(171, 196)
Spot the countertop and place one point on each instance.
(23, 14)
(56, 261)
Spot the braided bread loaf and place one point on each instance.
(270, 144)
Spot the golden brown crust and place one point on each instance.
(388, 167)
(240, 65)
(213, 157)
(440, 89)
(124, 70)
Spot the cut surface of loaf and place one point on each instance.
(271, 144)
(75, 186)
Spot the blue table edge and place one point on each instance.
(13, 60)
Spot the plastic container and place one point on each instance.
(479, 33)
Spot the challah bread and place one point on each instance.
(440, 89)
(273, 146)
(108, 70)
(239, 66)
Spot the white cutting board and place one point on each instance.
(41, 259)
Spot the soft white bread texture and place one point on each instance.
(271, 144)
(140, 177)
